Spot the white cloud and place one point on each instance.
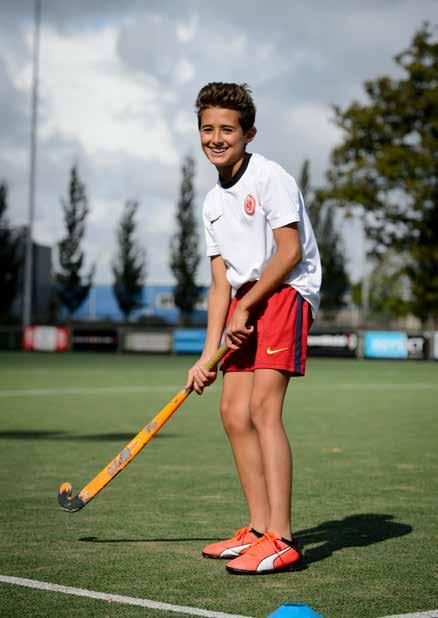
(148, 43)
(184, 71)
(292, 133)
(184, 122)
(88, 95)
(185, 31)
(313, 132)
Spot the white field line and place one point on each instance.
(419, 386)
(104, 390)
(92, 390)
(166, 607)
(116, 598)
(431, 614)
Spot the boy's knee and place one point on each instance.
(235, 418)
(263, 412)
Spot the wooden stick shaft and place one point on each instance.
(131, 450)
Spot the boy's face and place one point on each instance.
(223, 139)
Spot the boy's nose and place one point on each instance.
(217, 138)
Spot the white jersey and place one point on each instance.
(239, 217)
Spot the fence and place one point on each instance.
(135, 339)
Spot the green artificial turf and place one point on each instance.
(364, 436)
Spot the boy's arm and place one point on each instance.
(287, 256)
(219, 297)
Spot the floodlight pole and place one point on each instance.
(366, 278)
(28, 265)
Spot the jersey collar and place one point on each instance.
(227, 184)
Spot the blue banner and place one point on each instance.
(385, 344)
(188, 340)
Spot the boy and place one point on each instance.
(265, 280)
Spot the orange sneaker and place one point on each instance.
(230, 548)
(269, 554)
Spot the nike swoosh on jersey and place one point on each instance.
(267, 564)
(214, 220)
(269, 351)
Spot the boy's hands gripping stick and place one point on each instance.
(199, 376)
(238, 329)
(131, 450)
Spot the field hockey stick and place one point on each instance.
(131, 450)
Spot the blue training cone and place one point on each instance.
(294, 610)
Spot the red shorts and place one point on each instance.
(279, 341)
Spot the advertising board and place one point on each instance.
(333, 344)
(45, 338)
(434, 342)
(147, 342)
(188, 340)
(385, 344)
(93, 340)
(417, 347)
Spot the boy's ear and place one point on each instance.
(250, 134)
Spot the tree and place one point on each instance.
(11, 256)
(335, 282)
(72, 288)
(129, 267)
(387, 163)
(311, 197)
(388, 288)
(304, 181)
(184, 248)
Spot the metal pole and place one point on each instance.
(365, 292)
(28, 266)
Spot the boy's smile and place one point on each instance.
(223, 139)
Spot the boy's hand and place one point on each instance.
(237, 330)
(199, 377)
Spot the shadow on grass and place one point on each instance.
(69, 437)
(358, 530)
(95, 539)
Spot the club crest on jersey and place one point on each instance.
(250, 204)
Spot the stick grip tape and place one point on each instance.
(214, 360)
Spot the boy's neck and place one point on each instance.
(226, 174)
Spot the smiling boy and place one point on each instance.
(265, 280)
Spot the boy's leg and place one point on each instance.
(275, 551)
(235, 411)
(266, 405)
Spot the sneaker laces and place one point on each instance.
(269, 537)
(239, 534)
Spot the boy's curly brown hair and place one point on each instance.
(229, 96)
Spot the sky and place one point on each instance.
(117, 87)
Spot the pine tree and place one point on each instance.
(311, 197)
(304, 181)
(72, 288)
(335, 282)
(129, 267)
(11, 256)
(184, 249)
(387, 163)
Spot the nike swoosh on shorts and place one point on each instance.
(269, 351)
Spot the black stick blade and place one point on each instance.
(66, 502)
